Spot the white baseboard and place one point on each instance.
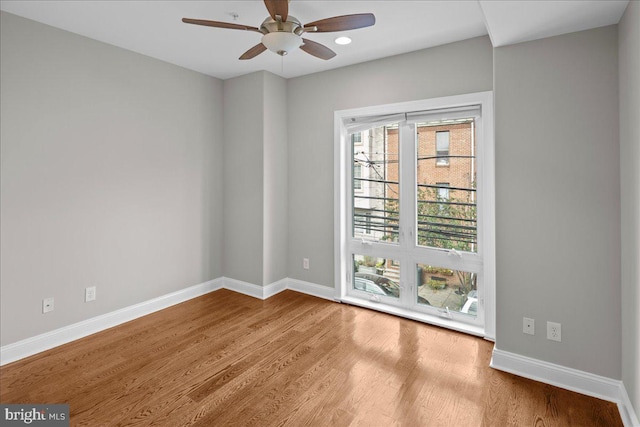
(312, 289)
(628, 414)
(275, 288)
(256, 291)
(30, 346)
(567, 378)
(549, 373)
(244, 288)
(264, 292)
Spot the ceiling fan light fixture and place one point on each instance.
(281, 42)
(343, 40)
(282, 33)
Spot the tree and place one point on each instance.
(448, 223)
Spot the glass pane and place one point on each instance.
(442, 141)
(446, 185)
(442, 148)
(377, 276)
(375, 187)
(446, 288)
(357, 173)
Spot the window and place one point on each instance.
(370, 277)
(442, 148)
(443, 190)
(357, 175)
(367, 222)
(356, 138)
(447, 211)
(375, 176)
(362, 223)
(417, 239)
(442, 196)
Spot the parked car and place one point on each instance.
(422, 300)
(471, 304)
(376, 284)
(368, 286)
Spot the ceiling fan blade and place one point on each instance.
(343, 23)
(316, 49)
(278, 7)
(254, 51)
(218, 24)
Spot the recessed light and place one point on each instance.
(343, 40)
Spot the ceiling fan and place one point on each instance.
(282, 33)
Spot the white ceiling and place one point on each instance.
(154, 28)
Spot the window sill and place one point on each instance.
(420, 317)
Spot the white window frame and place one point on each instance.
(486, 207)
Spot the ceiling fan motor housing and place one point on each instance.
(282, 33)
(281, 37)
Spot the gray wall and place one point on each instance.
(452, 69)
(243, 178)
(255, 178)
(275, 179)
(110, 177)
(113, 168)
(558, 199)
(629, 56)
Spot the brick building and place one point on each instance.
(445, 177)
(445, 158)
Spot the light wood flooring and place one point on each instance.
(293, 360)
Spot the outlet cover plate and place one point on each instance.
(47, 305)
(89, 294)
(554, 331)
(528, 326)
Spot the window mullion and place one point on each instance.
(407, 207)
(407, 180)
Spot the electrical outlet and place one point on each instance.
(528, 326)
(89, 294)
(305, 263)
(47, 305)
(554, 331)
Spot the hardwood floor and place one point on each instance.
(227, 359)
